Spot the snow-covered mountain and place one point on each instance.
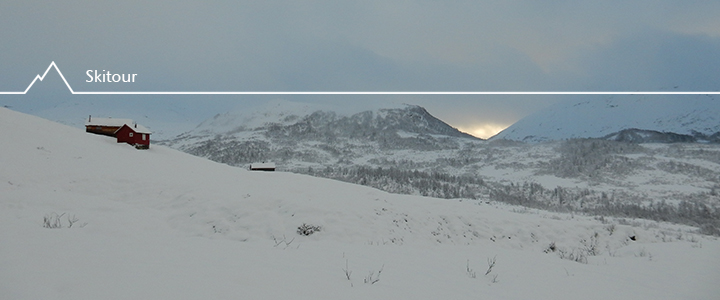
(406, 150)
(84, 217)
(328, 122)
(642, 118)
(299, 134)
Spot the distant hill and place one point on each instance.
(656, 118)
(299, 133)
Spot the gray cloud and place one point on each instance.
(369, 45)
(655, 61)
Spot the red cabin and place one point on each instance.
(105, 126)
(125, 130)
(137, 135)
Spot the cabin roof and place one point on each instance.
(263, 165)
(138, 128)
(112, 122)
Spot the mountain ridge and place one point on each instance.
(696, 116)
(305, 135)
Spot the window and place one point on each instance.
(130, 134)
(143, 137)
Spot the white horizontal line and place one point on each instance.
(401, 93)
(53, 65)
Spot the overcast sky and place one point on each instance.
(553, 45)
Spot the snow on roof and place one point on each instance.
(112, 122)
(263, 165)
(139, 128)
(109, 122)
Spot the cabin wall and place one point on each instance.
(123, 136)
(140, 141)
(104, 130)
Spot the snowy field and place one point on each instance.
(162, 224)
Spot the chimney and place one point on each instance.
(135, 125)
(89, 118)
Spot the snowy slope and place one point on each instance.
(593, 117)
(161, 224)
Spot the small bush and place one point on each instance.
(52, 221)
(372, 278)
(611, 228)
(710, 228)
(591, 246)
(470, 272)
(576, 255)
(491, 264)
(551, 248)
(307, 229)
(644, 253)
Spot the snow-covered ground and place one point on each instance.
(162, 224)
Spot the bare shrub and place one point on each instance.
(591, 246)
(551, 248)
(644, 253)
(347, 272)
(491, 264)
(371, 278)
(611, 228)
(52, 221)
(576, 255)
(307, 229)
(283, 241)
(710, 228)
(72, 221)
(470, 272)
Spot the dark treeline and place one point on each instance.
(580, 200)
(395, 180)
(588, 158)
(693, 211)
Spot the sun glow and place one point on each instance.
(483, 131)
